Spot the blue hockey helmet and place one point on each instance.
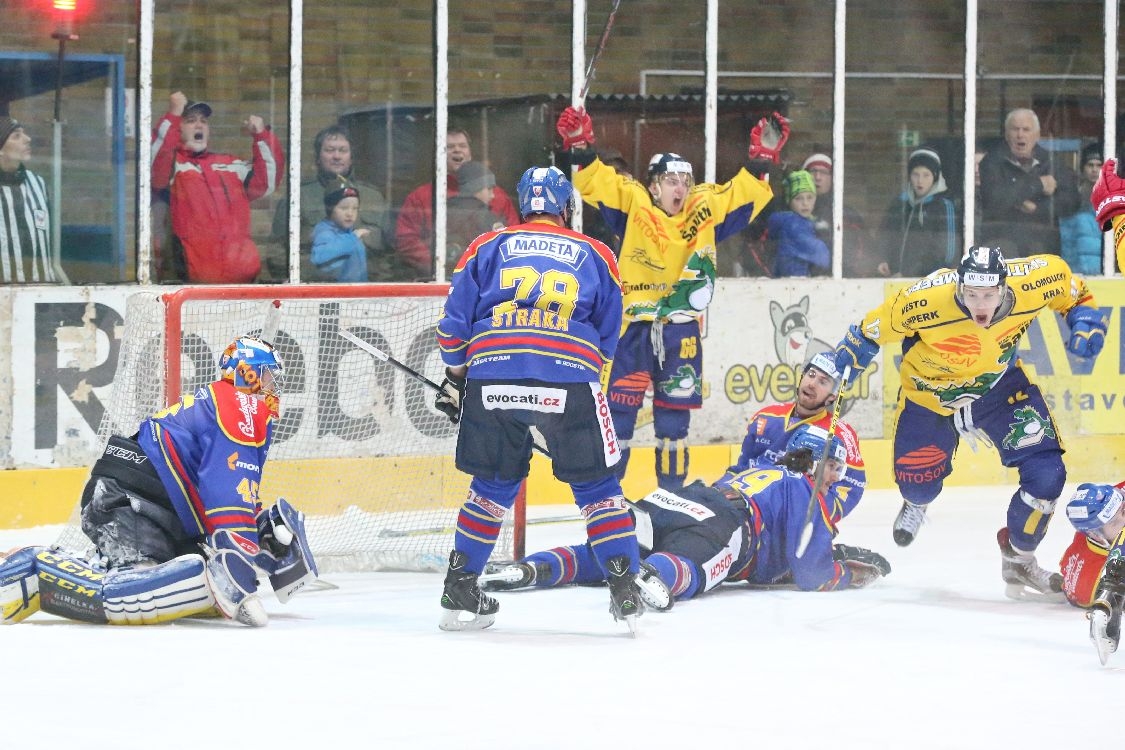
(253, 366)
(813, 437)
(1092, 507)
(824, 362)
(545, 190)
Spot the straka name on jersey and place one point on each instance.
(559, 248)
(679, 504)
(548, 400)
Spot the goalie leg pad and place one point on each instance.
(160, 593)
(70, 586)
(233, 579)
(19, 585)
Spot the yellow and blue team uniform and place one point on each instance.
(961, 379)
(769, 432)
(667, 268)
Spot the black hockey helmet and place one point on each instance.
(982, 266)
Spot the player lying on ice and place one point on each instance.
(1093, 566)
(745, 527)
(174, 515)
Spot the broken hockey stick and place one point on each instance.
(382, 356)
(591, 68)
(818, 475)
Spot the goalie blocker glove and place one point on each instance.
(448, 399)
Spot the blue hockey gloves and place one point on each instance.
(1087, 331)
(855, 350)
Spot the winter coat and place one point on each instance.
(920, 234)
(799, 251)
(1005, 185)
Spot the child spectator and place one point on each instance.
(799, 251)
(337, 246)
(468, 215)
(920, 232)
(1080, 234)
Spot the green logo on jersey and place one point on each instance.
(954, 393)
(685, 382)
(1028, 429)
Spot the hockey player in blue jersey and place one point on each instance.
(746, 527)
(771, 427)
(531, 321)
(174, 515)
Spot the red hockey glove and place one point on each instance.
(1108, 195)
(768, 137)
(576, 128)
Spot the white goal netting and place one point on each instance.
(359, 447)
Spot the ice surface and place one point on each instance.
(933, 656)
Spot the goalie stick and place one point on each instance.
(382, 356)
(807, 528)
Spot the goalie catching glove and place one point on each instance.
(575, 128)
(768, 137)
(448, 399)
(866, 566)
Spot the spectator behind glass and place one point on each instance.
(856, 260)
(210, 193)
(414, 232)
(338, 252)
(800, 252)
(333, 149)
(919, 234)
(26, 255)
(467, 213)
(1024, 191)
(1080, 235)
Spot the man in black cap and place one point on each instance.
(210, 193)
(26, 254)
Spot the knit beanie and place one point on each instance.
(927, 158)
(1092, 152)
(336, 191)
(7, 127)
(823, 161)
(473, 177)
(798, 182)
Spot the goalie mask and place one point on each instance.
(253, 366)
(1098, 511)
(545, 190)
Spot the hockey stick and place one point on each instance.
(379, 354)
(592, 66)
(818, 475)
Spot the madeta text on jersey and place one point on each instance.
(560, 249)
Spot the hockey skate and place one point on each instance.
(509, 576)
(1021, 571)
(907, 523)
(1105, 612)
(653, 591)
(466, 608)
(625, 602)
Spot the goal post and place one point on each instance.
(359, 446)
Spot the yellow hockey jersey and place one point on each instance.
(948, 360)
(657, 250)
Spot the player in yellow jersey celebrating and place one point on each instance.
(961, 378)
(669, 229)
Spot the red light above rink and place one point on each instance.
(66, 6)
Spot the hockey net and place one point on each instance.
(359, 447)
